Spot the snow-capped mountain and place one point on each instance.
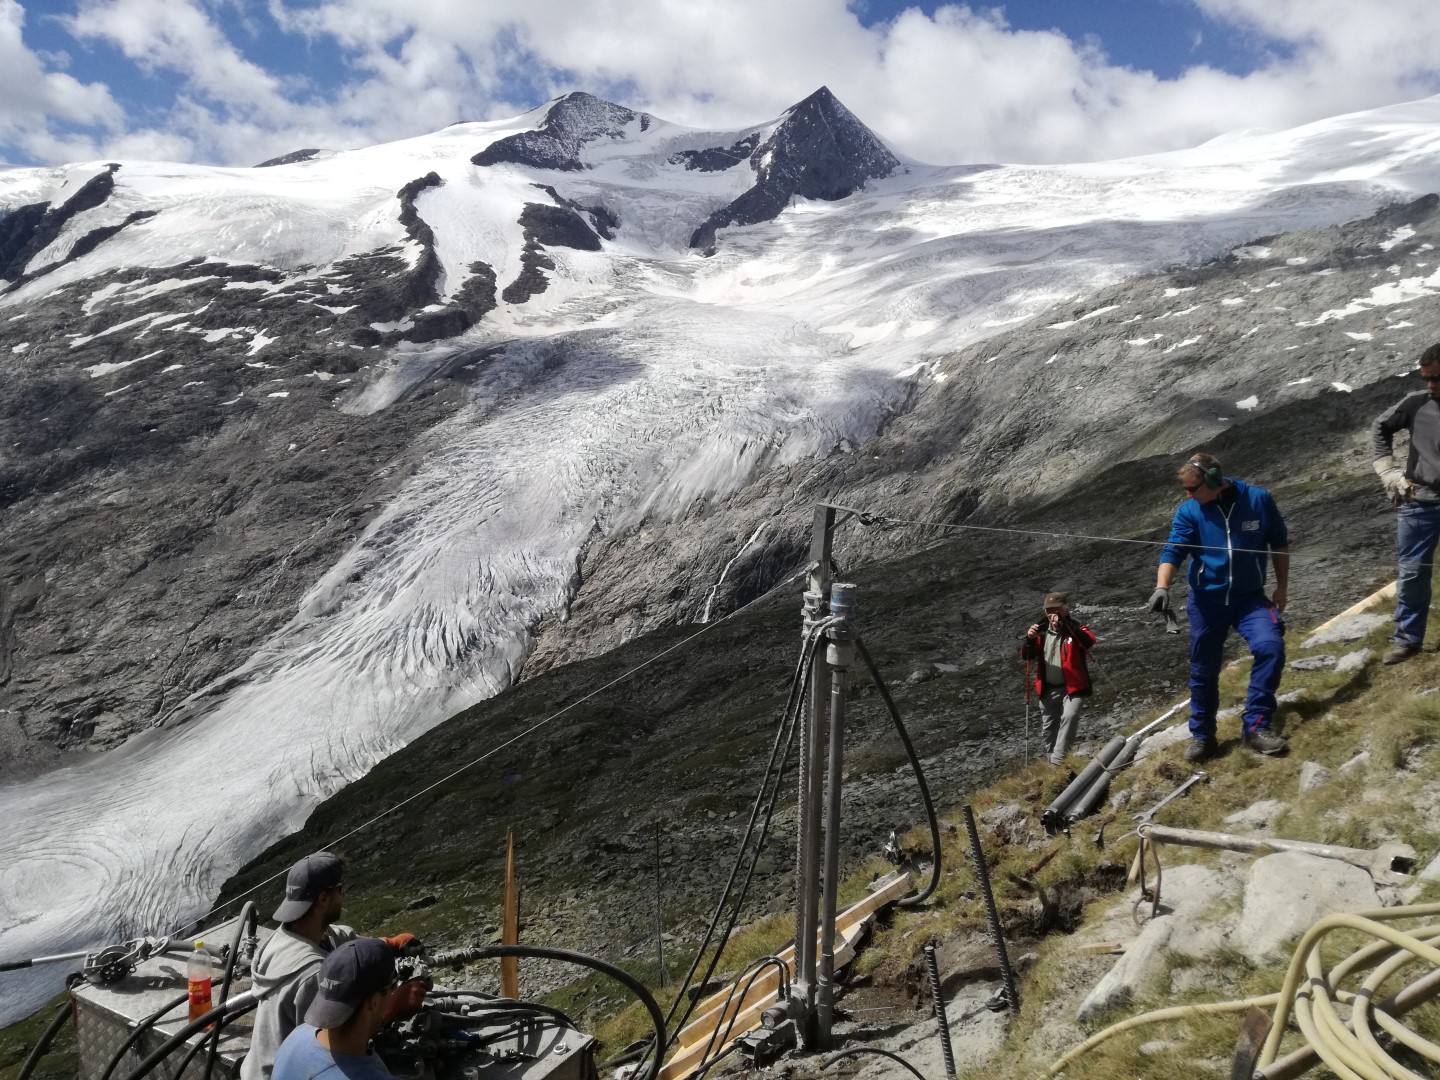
(298, 460)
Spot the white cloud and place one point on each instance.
(956, 86)
(33, 100)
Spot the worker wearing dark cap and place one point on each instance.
(286, 972)
(350, 1006)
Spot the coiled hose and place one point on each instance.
(1351, 1051)
(542, 952)
(914, 899)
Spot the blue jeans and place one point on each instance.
(1417, 528)
(1256, 620)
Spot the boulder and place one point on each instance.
(1313, 775)
(1186, 891)
(1353, 661)
(1260, 815)
(1350, 628)
(1289, 891)
(1318, 662)
(1162, 739)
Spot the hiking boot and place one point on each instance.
(1400, 651)
(1202, 749)
(1265, 742)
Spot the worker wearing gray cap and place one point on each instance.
(286, 971)
(350, 1006)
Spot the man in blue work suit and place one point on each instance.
(1230, 529)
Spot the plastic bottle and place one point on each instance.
(198, 973)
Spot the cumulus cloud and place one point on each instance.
(959, 85)
(36, 103)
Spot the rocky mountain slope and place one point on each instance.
(676, 748)
(265, 489)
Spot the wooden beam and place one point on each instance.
(714, 1012)
(510, 924)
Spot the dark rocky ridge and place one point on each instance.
(571, 122)
(820, 150)
(292, 158)
(161, 518)
(717, 158)
(30, 229)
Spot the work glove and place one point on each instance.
(1160, 602)
(404, 944)
(1393, 477)
(405, 998)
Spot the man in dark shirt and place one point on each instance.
(1415, 491)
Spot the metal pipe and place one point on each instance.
(839, 656)
(997, 934)
(1388, 862)
(812, 750)
(932, 965)
(1054, 819)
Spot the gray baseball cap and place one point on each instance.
(307, 879)
(353, 972)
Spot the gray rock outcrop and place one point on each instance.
(1287, 892)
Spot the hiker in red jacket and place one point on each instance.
(1058, 647)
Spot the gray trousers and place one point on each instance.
(1059, 717)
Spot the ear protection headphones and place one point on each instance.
(1211, 475)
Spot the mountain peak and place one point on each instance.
(572, 121)
(819, 150)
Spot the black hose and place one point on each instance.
(140, 1029)
(247, 921)
(190, 1055)
(757, 966)
(236, 1006)
(47, 1037)
(914, 899)
(788, 728)
(796, 700)
(511, 1005)
(542, 952)
(854, 1050)
(699, 1074)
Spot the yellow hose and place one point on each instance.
(1351, 1055)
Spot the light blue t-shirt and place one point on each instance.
(301, 1057)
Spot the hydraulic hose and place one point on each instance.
(140, 1029)
(914, 899)
(236, 1006)
(248, 921)
(754, 969)
(779, 753)
(47, 1037)
(1327, 1037)
(542, 952)
(857, 1050)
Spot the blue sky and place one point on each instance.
(235, 81)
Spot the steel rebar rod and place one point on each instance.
(997, 934)
(932, 965)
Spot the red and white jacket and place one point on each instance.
(1076, 641)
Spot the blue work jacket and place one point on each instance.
(1230, 552)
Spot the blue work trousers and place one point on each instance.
(1417, 528)
(1255, 619)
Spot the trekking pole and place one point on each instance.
(1027, 712)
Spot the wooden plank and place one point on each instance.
(713, 1013)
